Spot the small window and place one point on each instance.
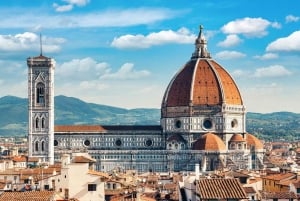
(234, 123)
(148, 142)
(55, 143)
(40, 93)
(37, 123)
(92, 187)
(207, 124)
(178, 124)
(36, 146)
(118, 142)
(43, 146)
(43, 122)
(87, 143)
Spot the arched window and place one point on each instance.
(37, 121)
(36, 146)
(43, 146)
(43, 122)
(40, 93)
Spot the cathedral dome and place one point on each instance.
(253, 141)
(209, 142)
(237, 138)
(176, 137)
(201, 82)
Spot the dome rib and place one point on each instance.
(178, 92)
(219, 80)
(206, 90)
(231, 91)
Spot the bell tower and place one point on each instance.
(41, 108)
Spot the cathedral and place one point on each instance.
(203, 123)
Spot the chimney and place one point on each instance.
(65, 160)
(197, 171)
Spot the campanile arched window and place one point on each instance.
(37, 122)
(43, 122)
(40, 93)
(36, 146)
(43, 146)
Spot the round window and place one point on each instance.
(87, 143)
(178, 124)
(234, 123)
(55, 143)
(148, 142)
(207, 124)
(118, 142)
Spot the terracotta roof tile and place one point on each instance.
(279, 177)
(279, 195)
(27, 196)
(102, 129)
(78, 128)
(249, 189)
(83, 159)
(220, 189)
(19, 159)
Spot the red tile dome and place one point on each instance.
(209, 142)
(201, 82)
(237, 138)
(253, 141)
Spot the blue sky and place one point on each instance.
(124, 53)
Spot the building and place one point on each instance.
(203, 121)
(41, 107)
(78, 179)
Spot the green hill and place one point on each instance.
(69, 110)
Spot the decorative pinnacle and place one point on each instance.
(41, 45)
(201, 46)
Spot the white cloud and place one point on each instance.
(230, 55)
(82, 70)
(291, 18)
(97, 82)
(239, 73)
(93, 85)
(88, 70)
(231, 40)
(104, 18)
(290, 43)
(62, 8)
(126, 72)
(266, 56)
(276, 25)
(251, 27)
(13, 78)
(70, 5)
(272, 71)
(29, 41)
(183, 35)
(77, 2)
